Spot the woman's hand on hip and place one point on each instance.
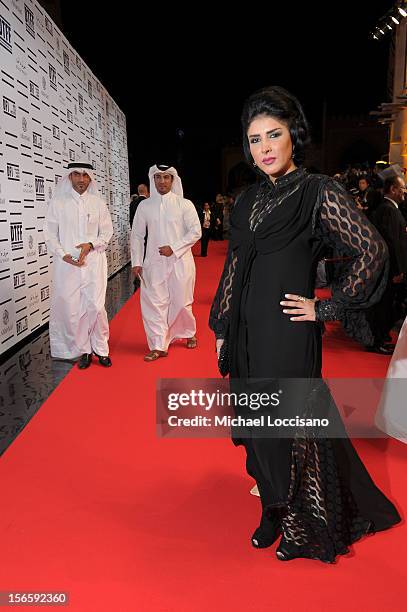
(301, 308)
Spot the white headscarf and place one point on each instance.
(64, 185)
(176, 186)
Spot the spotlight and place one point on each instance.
(402, 12)
(395, 20)
(381, 31)
(388, 26)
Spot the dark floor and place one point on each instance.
(29, 376)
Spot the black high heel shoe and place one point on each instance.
(268, 531)
(286, 552)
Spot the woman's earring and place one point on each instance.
(254, 163)
(293, 152)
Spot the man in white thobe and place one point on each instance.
(168, 271)
(77, 230)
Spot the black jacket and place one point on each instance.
(391, 224)
(133, 207)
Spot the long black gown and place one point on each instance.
(278, 233)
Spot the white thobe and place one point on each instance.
(78, 320)
(391, 415)
(167, 287)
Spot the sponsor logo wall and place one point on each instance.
(52, 111)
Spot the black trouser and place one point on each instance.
(204, 241)
(381, 315)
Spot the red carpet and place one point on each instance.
(94, 504)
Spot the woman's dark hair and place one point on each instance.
(279, 103)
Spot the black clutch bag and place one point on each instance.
(223, 359)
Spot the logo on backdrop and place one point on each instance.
(9, 107)
(49, 26)
(24, 127)
(39, 188)
(13, 172)
(37, 140)
(45, 293)
(22, 325)
(52, 76)
(34, 90)
(66, 62)
(34, 299)
(7, 326)
(28, 186)
(32, 251)
(16, 231)
(19, 280)
(5, 34)
(5, 317)
(29, 21)
(42, 249)
(4, 255)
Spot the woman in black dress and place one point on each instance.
(315, 491)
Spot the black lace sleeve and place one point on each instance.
(220, 310)
(362, 277)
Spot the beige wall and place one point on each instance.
(398, 134)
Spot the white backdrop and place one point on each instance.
(53, 110)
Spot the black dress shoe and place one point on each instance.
(85, 361)
(382, 349)
(106, 362)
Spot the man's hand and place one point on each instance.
(68, 259)
(166, 251)
(85, 247)
(137, 271)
